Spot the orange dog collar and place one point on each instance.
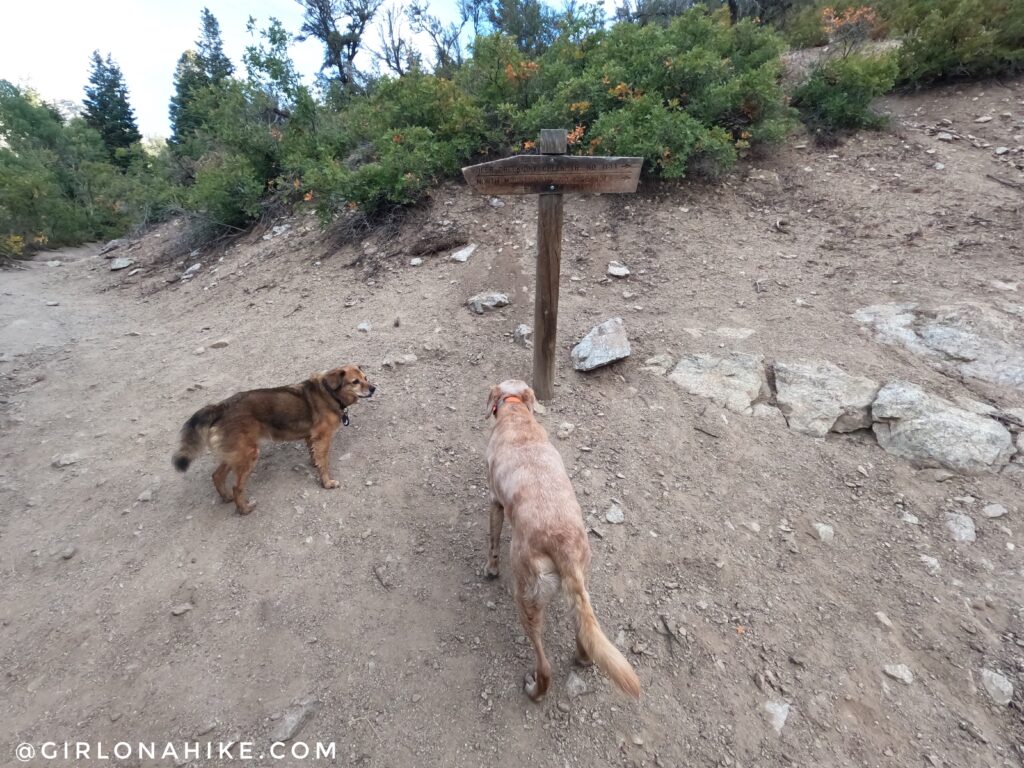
(509, 398)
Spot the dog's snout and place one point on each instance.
(372, 389)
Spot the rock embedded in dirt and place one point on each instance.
(961, 526)
(618, 269)
(146, 495)
(978, 340)
(933, 432)
(998, 687)
(659, 364)
(363, 327)
(615, 514)
(824, 532)
(575, 686)
(993, 510)
(199, 351)
(605, 344)
(462, 255)
(67, 553)
(883, 619)
(523, 335)
(565, 429)
(900, 672)
(220, 344)
(777, 713)
(415, 261)
(295, 720)
(181, 609)
(816, 397)
(931, 564)
(65, 460)
(735, 381)
(112, 245)
(485, 302)
(121, 263)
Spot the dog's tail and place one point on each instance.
(194, 435)
(600, 649)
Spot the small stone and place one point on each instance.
(219, 344)
(363, 327)
(67, 553)
(199, 351)
(53, 303)
(984, 119)
(295, 720)
(565, 429)
(121, 263)
(931, 565)
(181, 609)
(944, 136)
(618, 269)
(415, 262)
(997, 686)
(900, 672)
(523, 335)
(1002, 150)
(884, 620)
(496, 202)
(563, 706)
(484, 302)
(575, 686)
(407, 359)
(65, 460)
(463, 254)
(777, 712)
(961, 526)
(993, 510)
(659, 364)
(146, 495)
(615, 514)
(825, 532)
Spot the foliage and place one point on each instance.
(58, 185)
(837, 95)
(948, 39)
(107, 109)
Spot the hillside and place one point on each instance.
(371, 599)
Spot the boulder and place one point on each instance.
(933, 432)
(735, 381)
(605, 344)
(484, 302)
(816, 397)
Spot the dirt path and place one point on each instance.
(370, 599)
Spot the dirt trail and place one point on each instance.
(370, 599)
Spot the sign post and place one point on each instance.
(549, 175)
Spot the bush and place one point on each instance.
(838, 93)
(951, 39)
(227, 190)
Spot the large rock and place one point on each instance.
(484, 302)
(816, 397)
(972, 339)
(605, 344)
(120, 263)
(933, 432)
(735, 381)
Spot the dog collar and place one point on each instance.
(507, 398)
(344, 416)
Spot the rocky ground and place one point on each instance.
(791, 592)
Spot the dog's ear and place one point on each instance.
(530, 399)
(492, 400)
(333, 379)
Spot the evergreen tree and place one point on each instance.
(106, 106)
(189, 78)
(210, 49)
(532, 24)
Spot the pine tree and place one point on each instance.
(210, 49)
(189, 78)
(106, 106)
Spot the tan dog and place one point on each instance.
(311, 410)
(549, 543)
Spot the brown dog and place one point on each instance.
(233, 428)
(549, 543)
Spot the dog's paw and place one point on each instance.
(530, 686)
(491, 570)
(330, 483)
(247, 509)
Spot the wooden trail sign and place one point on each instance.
(550, 174)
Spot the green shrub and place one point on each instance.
(837, 94)
(805, 30)
(227, 190)
(949, 39)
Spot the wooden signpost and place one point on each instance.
(550, 174)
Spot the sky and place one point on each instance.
(48, 45)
